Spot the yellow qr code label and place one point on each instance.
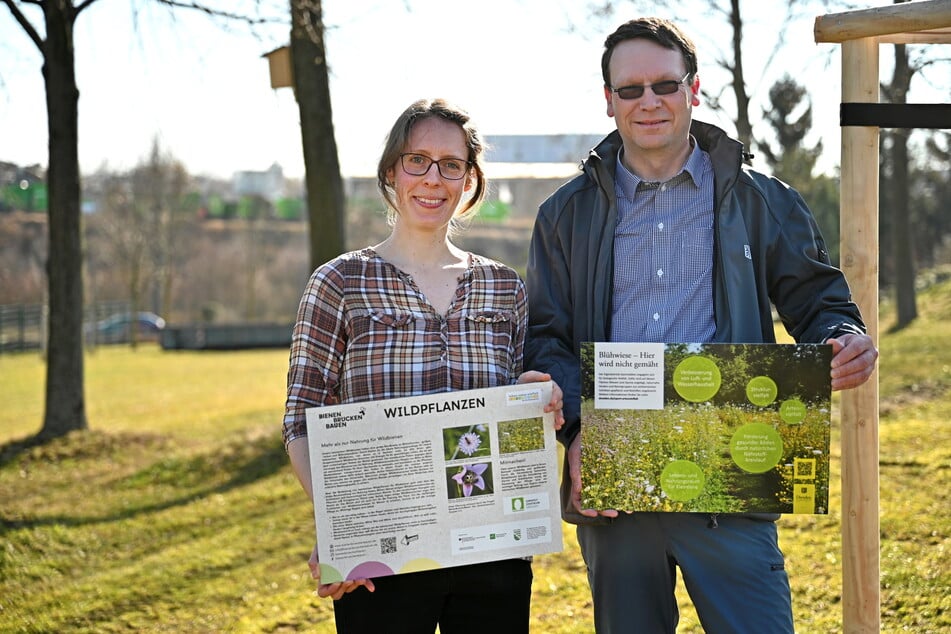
(804, 498)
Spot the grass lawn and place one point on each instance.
(178, 511)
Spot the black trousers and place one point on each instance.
(492, 597)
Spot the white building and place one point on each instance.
(269, 185)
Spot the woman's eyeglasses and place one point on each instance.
(418, 164)
(668, 87)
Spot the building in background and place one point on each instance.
(268, 184)
(540, 148)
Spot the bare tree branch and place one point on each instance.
(218, 13)
(922, 61)
(25, 24)
(781, 35)
(82, 5)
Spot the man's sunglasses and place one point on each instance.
(668, 87)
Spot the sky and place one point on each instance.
(518, 67)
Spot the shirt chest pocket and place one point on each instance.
(376, 328)
(489, 337)
(392, 320)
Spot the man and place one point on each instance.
(667, 236)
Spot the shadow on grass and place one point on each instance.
(232, 465)
(75, 445)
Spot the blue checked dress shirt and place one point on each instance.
(663, 255)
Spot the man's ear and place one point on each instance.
(608, 94)
(695, 91)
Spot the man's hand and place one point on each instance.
(334, 590)
(574, 472)
(853, 360)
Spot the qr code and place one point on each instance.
(804, 468)
(387, 545)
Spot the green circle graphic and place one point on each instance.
(761, 391)
(697, 379)
(682, 480)
(329, 574)
(792, 411)
(756, 447)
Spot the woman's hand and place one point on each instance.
(557, 397)
(334, 590)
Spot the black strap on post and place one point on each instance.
(896, 115)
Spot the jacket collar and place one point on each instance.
(726, 154)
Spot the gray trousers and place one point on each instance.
(732, 568)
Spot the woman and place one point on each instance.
(413, 315)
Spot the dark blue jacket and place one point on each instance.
(768, 253)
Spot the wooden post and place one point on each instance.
(859, 259)
(861, 32)
(929, 18)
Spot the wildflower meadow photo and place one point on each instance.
(716, 428)
(524, 434)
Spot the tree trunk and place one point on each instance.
(744, 129)
(325, 195)
(905, 298)
(899, 194)
(65, 399)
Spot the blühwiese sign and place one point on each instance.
(719, 428)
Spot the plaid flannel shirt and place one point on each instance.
(364, 332)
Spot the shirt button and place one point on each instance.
(660, 226)
(663, 187)
(656, 316)
(660, 272)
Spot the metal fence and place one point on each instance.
(23, 326)
(226, 336)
